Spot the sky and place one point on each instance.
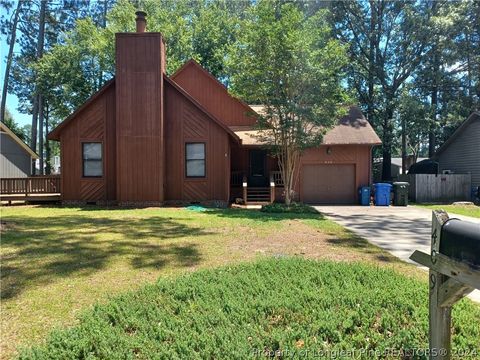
(12, 101)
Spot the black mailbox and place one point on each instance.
(460, 240)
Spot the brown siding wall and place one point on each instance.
(213, 96)
(96, 123)
(139, 127)
(186, 123)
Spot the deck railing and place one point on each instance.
(49, 184)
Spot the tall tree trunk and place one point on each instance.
(33, 135)
(41, 105)
(433, 105)
(13, 36)
(40, 101)
(387, 142)
(371, 61)
(404, 145)
(434, 93)
(48, 152)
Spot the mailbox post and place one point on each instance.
(454, 272)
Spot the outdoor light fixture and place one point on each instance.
(329, 150)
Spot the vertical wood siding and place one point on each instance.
(96, 123)
(186, 123)
(139, 126)
(204, 88)
(462, 156)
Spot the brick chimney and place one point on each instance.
(141, 21)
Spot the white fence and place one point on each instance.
(429, 188)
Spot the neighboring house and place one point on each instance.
(146, 138)
(460, 154)
(16, 158)
(395, 167)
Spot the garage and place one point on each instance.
(328, 184)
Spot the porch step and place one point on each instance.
(258, 195)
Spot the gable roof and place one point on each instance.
(195, 65)
(352, 129)
(200, 107)
(475, 116)
(4, 128)
(55, 133)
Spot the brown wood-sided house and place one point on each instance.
(146, 138)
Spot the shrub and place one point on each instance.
(297, 208)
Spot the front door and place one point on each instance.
(258, 174)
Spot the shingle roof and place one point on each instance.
(352, 129)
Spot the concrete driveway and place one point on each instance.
(399, 230)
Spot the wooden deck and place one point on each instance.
(30, 189)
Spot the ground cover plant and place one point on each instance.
(273, 306)
(294, 207)
(57, 261)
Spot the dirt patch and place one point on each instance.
(300, 240)
(6, 226)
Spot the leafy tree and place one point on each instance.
(291, 65)
(387, 42)
(12, 125)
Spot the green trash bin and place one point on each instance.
(400, 193)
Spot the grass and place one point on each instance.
(467, 210)
(57, 261)
(287, 306)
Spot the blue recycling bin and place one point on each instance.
(364, 195)
(382, 194)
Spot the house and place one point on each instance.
(395, 166)
(460, 154)
(16, 157)
(147, 138)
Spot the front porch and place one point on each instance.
(254, 177)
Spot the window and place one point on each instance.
(92, 159)
(195, 159)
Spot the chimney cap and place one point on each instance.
(140, 13)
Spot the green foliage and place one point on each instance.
(16, 129)
(294, 207)
(271, 305)
(290, 64)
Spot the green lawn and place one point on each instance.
(467, 210)
(290, 307)
(58, 261)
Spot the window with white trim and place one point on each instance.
(195, 160)
(92, 159)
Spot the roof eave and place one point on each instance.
(55, 133)
(201, 108)
(19, 141)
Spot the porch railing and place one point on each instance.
(30, 185)
(236, 178)
(277, 178)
